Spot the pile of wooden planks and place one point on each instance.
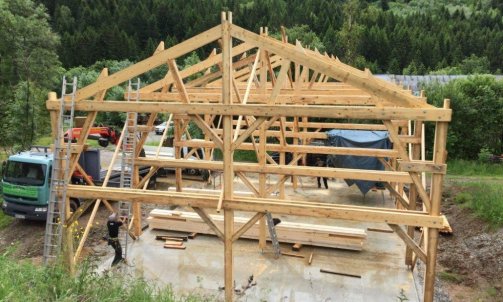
(288, 232)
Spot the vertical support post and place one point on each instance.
(136, 205)
(54, 114)
(68, 240)
(294, 155)
(439, 157)
(262, 146)
(262, 177)
(282, 157)
(227, 155)
(177, 135)
(415, 153)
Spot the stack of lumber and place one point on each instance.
(288, 232)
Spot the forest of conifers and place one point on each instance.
(386, 36)
(40, 41)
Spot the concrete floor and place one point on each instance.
(199, 268)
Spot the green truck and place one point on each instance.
(26, 180)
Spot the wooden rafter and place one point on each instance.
(250, 83)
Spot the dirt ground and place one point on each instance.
(470, 261)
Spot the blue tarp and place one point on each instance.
(357, 139)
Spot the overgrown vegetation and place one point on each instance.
(477, 105)
(460, 167)
(24, 281)
(485, 199)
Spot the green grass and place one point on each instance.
(152, 143)
(239, 155)
(485, 199)
(47, 141)
(24, 281)
(450, 277)
(474, 168)
(4, 219)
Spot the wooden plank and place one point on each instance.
(227, 190)
(409, 241)
(439, 157)
(209, 222)
(372, 175)
(339, 273)
(336, 112)
(401, 198)
(403, 154)
(171, 238)
(379, 230)
(412, 166)
(173, 242)
(289, 232)
(174, 247)
(247, 225)
(289, 207)
(301, 149)
(257, 123)
(292, 255)
(296, 247)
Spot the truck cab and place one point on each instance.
(26, 183)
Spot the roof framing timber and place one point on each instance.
(266, 95)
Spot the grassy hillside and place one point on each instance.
(24, 281)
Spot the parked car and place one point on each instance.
(160, 128)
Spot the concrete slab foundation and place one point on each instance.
(199, 268)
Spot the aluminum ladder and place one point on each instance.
(127, 163)
(56, 210)
(273, 235)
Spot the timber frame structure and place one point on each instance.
(256, 90)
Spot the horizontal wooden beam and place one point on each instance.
(318, 135)
(417, 166)
(342, 112)
(371, 175)
(260, 98)
(287, 207)
(298, 149)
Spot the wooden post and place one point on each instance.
(294, 155)
(262, 147)
(227, 154)
(262, 184)
(439, 157)
(68, 240)
(177, 137)
(415, 153)
(136, 215)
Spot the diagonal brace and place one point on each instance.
(204, 216)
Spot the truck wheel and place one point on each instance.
(205, 174)
(191, 172)
(74, 205)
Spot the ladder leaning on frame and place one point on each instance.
(127, 163)
(56, 210)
